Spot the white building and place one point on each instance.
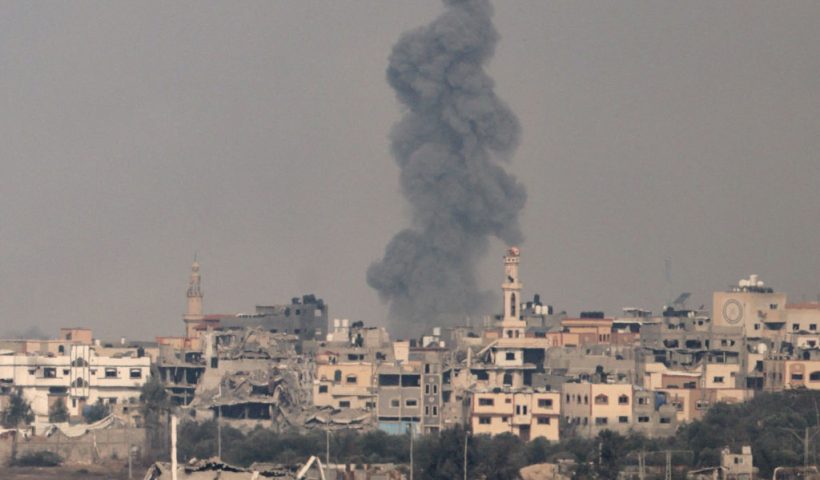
(78, 378)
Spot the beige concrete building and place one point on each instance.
(759, 310)
(345, 385)
(526, 413)
(786, 374)
(692, 403)
(594, 407)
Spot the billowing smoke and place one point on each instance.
(449, 145)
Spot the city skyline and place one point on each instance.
(137, 135)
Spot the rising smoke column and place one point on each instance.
(448, 145)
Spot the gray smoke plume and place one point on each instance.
(448, 145)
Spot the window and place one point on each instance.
(518, 409)
(814, 377)
(435, 389)
(426, 368)
(337, 376)
(411, 403)
(426, 410)
(544, 403)
(717, 379)
(666, 420)
(623, 400)
(110, 373)
(600, 420)
(601, 399)
(322, 388)
(427, 389)
(643, 419)
(49, 372)
(772, 306)
(508, 379)
(66, 371)
(512, 305)
(510, 356)
(484, 420)
(623, 419)
(797, 376)
(135, 373)
(796, 327)
(394, 403)
(344, 404)
(543, 420)
(486, 402)
(757, 326)
(813, 327)
(351, 379)
(435, 411)
(524, 408)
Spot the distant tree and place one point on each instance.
(58, 413)
(18, 412)
(96, 412)
(154, 408)
(154, 400)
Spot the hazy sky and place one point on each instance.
(133, 134)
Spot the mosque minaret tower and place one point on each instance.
(512, 325)
(193, 315)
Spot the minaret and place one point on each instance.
(511, 324)
(193, 315)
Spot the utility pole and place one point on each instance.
(466, 440)
(327, 451)
(669, 465)
(806, 448)
(411, 450)
(641, 465)
(219, 425)
(173, 447)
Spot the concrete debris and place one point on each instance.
(348, 418)
(215, 469)
(73, 431)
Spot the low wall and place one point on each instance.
(92, 447)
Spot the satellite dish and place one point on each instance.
(762, 348)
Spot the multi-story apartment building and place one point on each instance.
(78, 378)
(789, 374)
(593, 407)
(526, 413)
(344, 384)
(399, 404)
(757, 309)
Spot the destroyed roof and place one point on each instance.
(73, 431)
(330, 416)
